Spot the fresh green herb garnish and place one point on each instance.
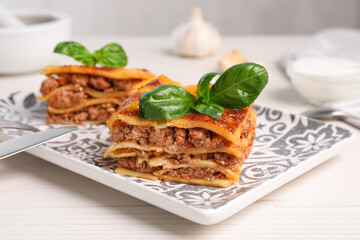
(235, 89)
(239, 86)
(212, 109)
(204, 86)
(111, 55)
(166, 102)
(76, 51)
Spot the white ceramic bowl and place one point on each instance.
(31, 48)
(325, 80)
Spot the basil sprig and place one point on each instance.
(235, 89)
(211, 109)
(111, 55)
(76, 51)
(203, 87)
(239, 86)
(166, 102)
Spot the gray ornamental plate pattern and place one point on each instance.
(283, 141)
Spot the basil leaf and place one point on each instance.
(76, 51)
(239, 86)
(111, 55)
(211, 109)
(203, 89)
(166, 102)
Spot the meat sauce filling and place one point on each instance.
(83, 80)
(177, 138)
(97, 113)
(172, 137)
(197, 173)
(68, 98)
(224, 159)
(186, 173)
(221, 158)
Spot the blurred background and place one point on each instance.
(231, 17)
(319, 39)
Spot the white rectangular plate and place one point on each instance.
(286, 146)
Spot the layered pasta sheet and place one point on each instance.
(78, 94)
(195, 149)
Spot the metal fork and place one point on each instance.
(333, 114)
(329, 114)
(16, 125)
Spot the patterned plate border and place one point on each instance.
(283, 142)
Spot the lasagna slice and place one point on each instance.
(85, 93)
(194, 149)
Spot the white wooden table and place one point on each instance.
(39, 200)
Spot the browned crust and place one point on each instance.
(108, 72)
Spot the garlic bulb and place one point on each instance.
(196, 38)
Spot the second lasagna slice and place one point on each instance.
(85, 93)
(195, 149)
